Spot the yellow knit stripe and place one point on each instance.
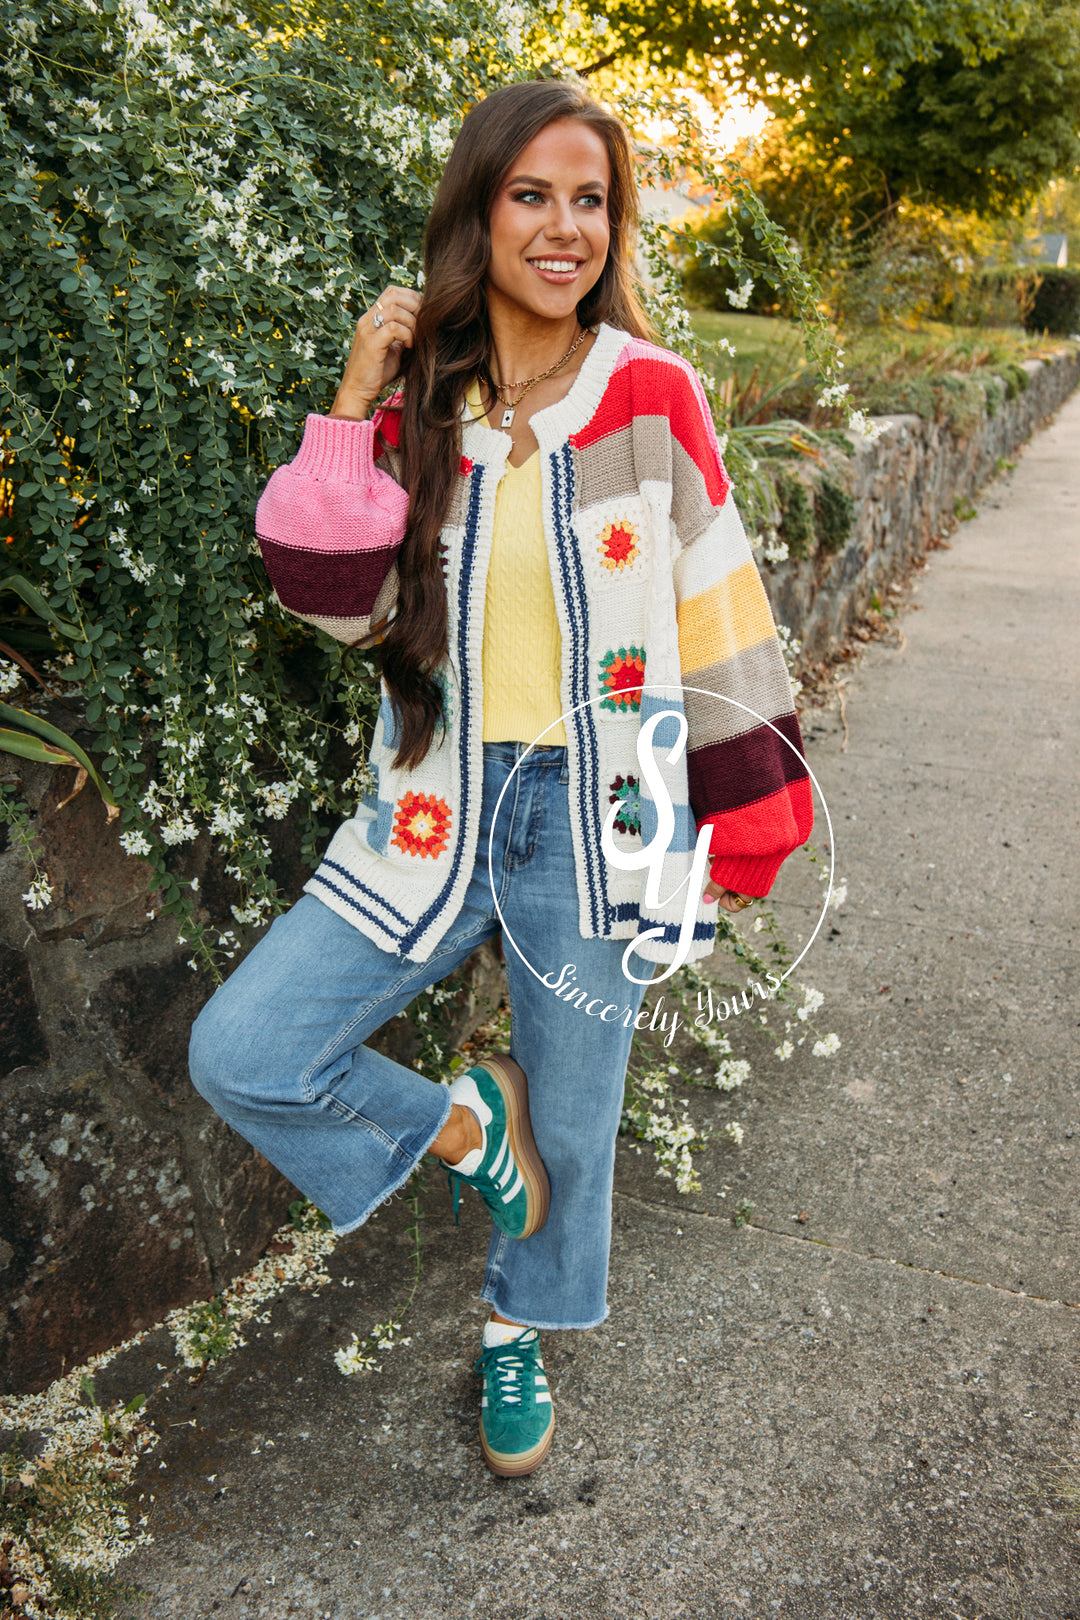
(730, 616)
(522, 646)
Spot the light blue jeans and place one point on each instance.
(279, 1052)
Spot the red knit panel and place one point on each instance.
(387, 421)
(661, 385)
(750, 844)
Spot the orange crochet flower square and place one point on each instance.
(421, 824)
(618, 545)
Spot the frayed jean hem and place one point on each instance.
(546, 1327)
(384, 1198)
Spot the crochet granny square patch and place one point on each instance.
(621, 675)
(421, 824)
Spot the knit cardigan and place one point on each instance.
(660, 608)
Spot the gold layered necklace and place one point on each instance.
(503, 391)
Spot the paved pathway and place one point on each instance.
(870, 1412)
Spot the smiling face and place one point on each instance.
(549, 223)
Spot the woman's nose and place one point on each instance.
(563, 226)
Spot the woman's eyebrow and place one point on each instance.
(545, 185)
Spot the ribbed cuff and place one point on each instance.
(338, 448)
(746, 874)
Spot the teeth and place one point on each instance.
(560, 266)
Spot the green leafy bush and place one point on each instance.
(796, 515)
(193, 214)
(1056, 304)
(834, 514)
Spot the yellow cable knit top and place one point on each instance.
(522, 647)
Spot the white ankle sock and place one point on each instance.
(464, 1092)
(501, 1333)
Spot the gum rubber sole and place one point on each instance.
(510, 1079)
(513, 1467)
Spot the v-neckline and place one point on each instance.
(476, 406)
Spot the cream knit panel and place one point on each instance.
(522, 650)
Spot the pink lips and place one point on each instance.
(557, 278)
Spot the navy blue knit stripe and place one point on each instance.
(702, 930)
(629, 911)
(363, 888)
(577, 607)
(317, 877)
(468, 562)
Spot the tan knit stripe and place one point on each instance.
(648, 442)
(691, 509)
(718, 551)
(342, 629)
(756, 677)
(607, 471)
(729, 617)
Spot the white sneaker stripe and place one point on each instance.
(509, 1196)
(543, 1400)
(500, 1156)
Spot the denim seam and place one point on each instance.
(384, 1198)
(310, 1094)
(535, 818)
(493, 1270)
(343, 1111)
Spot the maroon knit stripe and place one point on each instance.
(338, 584)
(728, 774)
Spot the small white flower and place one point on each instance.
(731, 1074)
(813, 1001)
(784, 1051)
(839, 894)
(862, 427)
(734, 1130)
(739, 297)
(39, 894)
(10, 677)
(135, 843)
(833, 394)
(827, 1046)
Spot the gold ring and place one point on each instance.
(742, 901)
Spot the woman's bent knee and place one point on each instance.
(208, 1055)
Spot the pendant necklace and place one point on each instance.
(502, 390)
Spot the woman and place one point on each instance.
(539, 510)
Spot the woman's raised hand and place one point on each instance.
(375, 357)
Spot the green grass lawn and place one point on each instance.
(888, 368)
(772, 345)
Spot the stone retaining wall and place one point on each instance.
(121, 1194)
(906, 488)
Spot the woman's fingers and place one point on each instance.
(375, 357)
(725, 898)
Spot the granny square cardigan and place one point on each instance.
(661, 611)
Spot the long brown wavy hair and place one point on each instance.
(452, 345)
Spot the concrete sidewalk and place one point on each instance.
(872, 1411)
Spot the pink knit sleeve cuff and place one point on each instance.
(337, 448)
(330, 522)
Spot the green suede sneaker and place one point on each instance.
(517, 1419)
(507, 1171)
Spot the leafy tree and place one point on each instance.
(962, 104)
